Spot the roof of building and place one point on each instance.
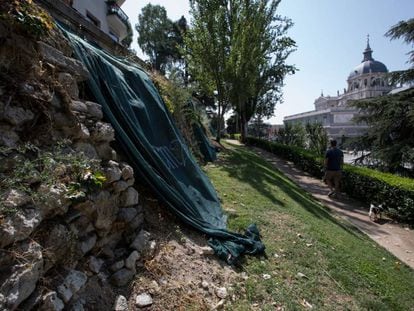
(368, 64)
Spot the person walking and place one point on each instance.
(334, 159)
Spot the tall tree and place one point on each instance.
(158, 36)
(404, 30)
(259, 51)
(239, 48)
(391, 129)
(208, 45)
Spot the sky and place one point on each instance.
(330, 36)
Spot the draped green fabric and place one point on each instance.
(154, 146)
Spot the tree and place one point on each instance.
(405, 30)
(208, 45)
(293, 135)
(317, 139)
(158, 36)
(260, 50)
(232, 124)
(239, 48)
(391, 129)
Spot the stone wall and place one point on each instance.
(70, 217)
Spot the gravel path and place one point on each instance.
(394, 237)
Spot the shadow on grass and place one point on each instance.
(259, 174)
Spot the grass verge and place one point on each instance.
(314, 260)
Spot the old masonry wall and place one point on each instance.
(71, 222)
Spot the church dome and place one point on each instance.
(368, 65)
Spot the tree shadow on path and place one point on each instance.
(250, 168)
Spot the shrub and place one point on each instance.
(29, 17)
(395, 193)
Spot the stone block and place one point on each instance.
(129, 197)
(56, 57)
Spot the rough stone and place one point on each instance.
(105, 152)
(117, 266)
(141, 242)
(56, 102)
(87, 208)
(94, 110)
(22, 282)
(55, 201)
(19, 226)
(82, 132)
(112, 173)
(87, 149)
(122, 277)
(221, 292)
(131, 182)
(78, 106)
(56, 57)
(127, 172)
(63, 121)
(15, 198)
(17, 115)
(129, 197)
(143, 300)
(88, 243)
(120, 186)
(126, 214)
(73, 282)
(77, 306)
(51, 302)
(206, 250)
(102, 132)
(110, 240)
(131, 260)
(95, 264)
(121, 303)
(107, 252)
(8, 137)
(69, 83)
(151, 249)
(136, 222)
(58, 243)
(106, 211)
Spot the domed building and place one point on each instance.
(366, 80)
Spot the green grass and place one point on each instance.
(344, 269)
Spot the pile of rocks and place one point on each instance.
(60, 252)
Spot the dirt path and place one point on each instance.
(395, 238)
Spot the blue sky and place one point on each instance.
(331, 36)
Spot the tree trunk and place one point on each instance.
(243, 126)
(218, 135)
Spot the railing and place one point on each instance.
(114, 9)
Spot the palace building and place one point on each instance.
(366, 80)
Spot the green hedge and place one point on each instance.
(367, 185)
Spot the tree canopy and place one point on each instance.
(159, 37)
(391, 129)
(238, 49)
(404, 30)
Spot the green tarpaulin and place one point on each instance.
(156, 149)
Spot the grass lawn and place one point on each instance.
(313, 258)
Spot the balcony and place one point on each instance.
(117, 20)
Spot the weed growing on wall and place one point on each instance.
(27, 167)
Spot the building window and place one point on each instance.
(93, 19)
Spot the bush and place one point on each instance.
(395, 193)
(236, 136)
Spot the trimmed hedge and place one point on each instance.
(395, 193)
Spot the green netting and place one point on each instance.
(156, 149)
